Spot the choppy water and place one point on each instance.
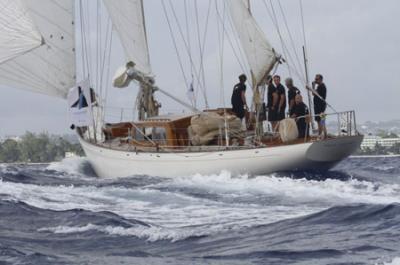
(62, 214)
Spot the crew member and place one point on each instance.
(292, 92)
(320, 104)
(300, 112)
(280, 90)
(238, 99)
(272, 104)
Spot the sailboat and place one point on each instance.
(38, 53)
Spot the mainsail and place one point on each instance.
(37, 45)
(128, 21)
(259, 52)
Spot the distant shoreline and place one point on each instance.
(374, 156)
(26, 163)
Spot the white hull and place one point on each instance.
(321, 155)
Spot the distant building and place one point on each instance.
(370, 141)
(10, 137)
(70, 154)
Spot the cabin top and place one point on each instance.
(166, 118)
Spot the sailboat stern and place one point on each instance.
(323, 155)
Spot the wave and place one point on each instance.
(298, 191)
(73, 167)
(394, 261)
(150, 234)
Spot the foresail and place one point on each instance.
(18, 35)
(49, 67)
(259, 52)
(128, 20)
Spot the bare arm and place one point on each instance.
(243, 95)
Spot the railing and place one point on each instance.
(346, 124)
(338, 124)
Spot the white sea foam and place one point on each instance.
(73, 166)
(395, 261)
(8, 169)
(181, 215)
(152, 233)
(175, 215)
(300, 190)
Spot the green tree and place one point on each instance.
(34, 148)
(37, 148)
(10, 152)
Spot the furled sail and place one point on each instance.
(37, 43)
(128, 20)
(259, 52)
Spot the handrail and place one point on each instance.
(346, 126)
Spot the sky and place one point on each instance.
(354, 44)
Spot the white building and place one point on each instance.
(370, 141)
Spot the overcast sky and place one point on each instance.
(354, 44)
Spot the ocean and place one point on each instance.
(61, 213)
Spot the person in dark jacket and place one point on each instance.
(238, 99)
(292, 92)
(320, 103)
(280, 89)
(300, 112)
(272, 104)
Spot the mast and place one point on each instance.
(309, 94)
(260, 54)
(128, 20)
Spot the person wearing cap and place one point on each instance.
(238, 99)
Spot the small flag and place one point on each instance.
(79, 99)
(190, 93)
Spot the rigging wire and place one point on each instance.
(108, 71)
(290, 36)
(225, 32)
(188, 36)
(174, 42)
(187, 48)
(239, 48)
(202, 46)
(191, 85)
(85, 59)
(285, 50)
(88, 42)
(221, 38)
(276, 24)
(303, 26)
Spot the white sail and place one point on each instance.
(49, 67)
(128, 21)
(18, 34)
(259, 52)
